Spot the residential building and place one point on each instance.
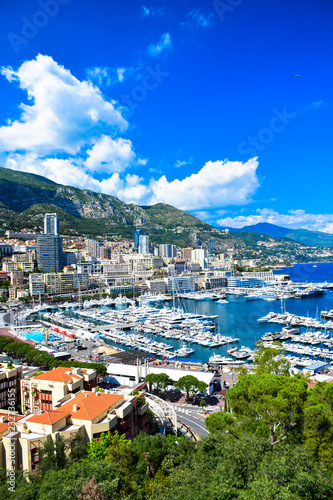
(105, 252)
(157, 286)
(47, 390)
(3, 276)
(5, 249)
(10, 378)
(56, 283)
(93, 248)
(36, 285)
(168, 251)
(182, 284)
(16, 278)
(137, 234)
(187, 253)
(88, 413)
(49, 253)
(51, 224)
(143, 245)
(12, 292)
(199, 255)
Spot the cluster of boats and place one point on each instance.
(294, 320)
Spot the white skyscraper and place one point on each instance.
(51, 224)
(144, 244)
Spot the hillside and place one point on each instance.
(312, 238)
(24, 198)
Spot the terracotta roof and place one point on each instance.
(13, 418)
(59, 374)
(47, 417)
(90, 405)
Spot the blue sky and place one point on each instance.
(194, 104)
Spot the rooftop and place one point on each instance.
(90, 405)
(47, 417)
(59, 374)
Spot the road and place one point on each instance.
(189, 416)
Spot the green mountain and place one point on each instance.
(24, 198)
(312, 238)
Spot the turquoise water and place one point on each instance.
(37, 336)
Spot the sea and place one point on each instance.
(238, 318)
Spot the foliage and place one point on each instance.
(190, 384)
(269, 405)
(269, 360)
(160, 380)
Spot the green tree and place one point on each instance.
(318, 423)
(60, 451)
(47, 456)
(77, 446)
(190, 384)
(97, 449)
(119, 451)
(269, 405)
(270, 360)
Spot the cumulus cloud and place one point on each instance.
(69, 133)
(293, 219)
(111, 155)
(64, 115)
(156, 49)
(217, 184)
(67, 117)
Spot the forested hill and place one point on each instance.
(24, 198)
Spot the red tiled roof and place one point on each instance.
(48, 417)
(9, 420)
(90, 405)
(59, 374)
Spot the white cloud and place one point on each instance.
(65, 114)
(107, 77)
(111, 155)
(293, 219)
(217, 184)
(60, 171)
(156, 49)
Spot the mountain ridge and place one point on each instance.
(305, 236)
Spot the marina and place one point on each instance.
(221, 328)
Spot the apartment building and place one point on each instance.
(10, 378)
(47, 390)
(88, 412)
(56, 283)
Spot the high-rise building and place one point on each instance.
(49, 253)
(93, 248)
(51, 224)
(137, 234)
(168, 251)
(49, 246)
(143, 244)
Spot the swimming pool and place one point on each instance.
(38, 336)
